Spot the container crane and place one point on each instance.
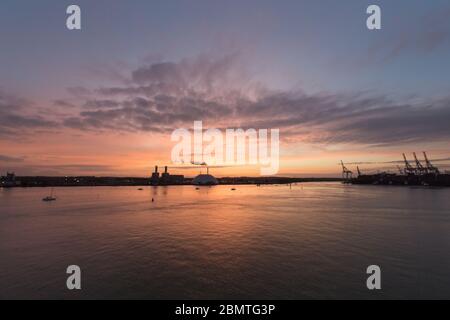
(409, 169)
(430, 167)
(346, 174)
(419, 167)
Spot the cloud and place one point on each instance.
(79, 91)
(170, 95)
(4, 158)
(199, 75)
(422, 36)
(397, 161)
(64, 103)
(167, 72)
(97, 104)
(15, 119)
(26, 169)
(164, 96)
(82, 167)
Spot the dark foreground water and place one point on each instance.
(270, 242)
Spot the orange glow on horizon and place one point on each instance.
(135, 154)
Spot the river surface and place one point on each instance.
(310, 241)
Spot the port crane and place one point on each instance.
(415, 172)
(409, 169)
(346, 174)
(419, 167)
(430, 167)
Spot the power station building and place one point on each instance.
(165, 178)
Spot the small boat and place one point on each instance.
(49, 198)
(140, 189)
(232, 189)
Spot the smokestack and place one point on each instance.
(156, 169)
(165, 169)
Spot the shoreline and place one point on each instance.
(32, 182)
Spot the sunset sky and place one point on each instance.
(104, 100)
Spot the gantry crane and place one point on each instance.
(346, 174)
(430, 167)
(409, 169)
(420, 169)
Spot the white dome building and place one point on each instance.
(205, 180)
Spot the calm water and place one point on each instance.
(270, 242)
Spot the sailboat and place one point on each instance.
(49, 198)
